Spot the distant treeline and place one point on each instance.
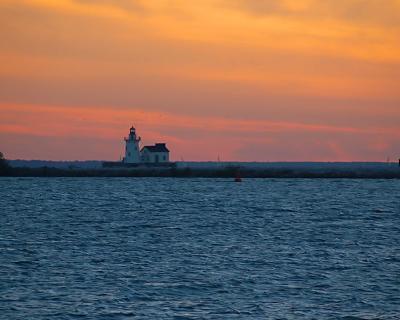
(228, 172)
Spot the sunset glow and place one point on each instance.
(283, 80)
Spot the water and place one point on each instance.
(151, 248)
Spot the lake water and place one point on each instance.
(149, 248)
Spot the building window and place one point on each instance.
(129, 154)
(164, 158)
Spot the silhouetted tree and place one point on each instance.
(4, 166)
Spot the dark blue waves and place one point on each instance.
(199, 249)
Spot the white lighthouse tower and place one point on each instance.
(132, 151)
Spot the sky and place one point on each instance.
(235, 80)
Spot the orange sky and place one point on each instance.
(255, 80)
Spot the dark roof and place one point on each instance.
(158, 147)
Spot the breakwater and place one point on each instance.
(356, 170)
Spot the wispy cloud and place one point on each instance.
(212, 135)
(378, 12)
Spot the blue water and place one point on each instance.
(148, 248)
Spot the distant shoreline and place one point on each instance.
(227, 172)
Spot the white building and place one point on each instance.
(132, 149)
(158, 153)
(155, 154)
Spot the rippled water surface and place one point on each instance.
(151, 248)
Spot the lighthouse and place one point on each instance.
(132, 151)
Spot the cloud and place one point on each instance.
(128, 5)
(200, 138)
(114, 29)
(67, 8)
(386, 13)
